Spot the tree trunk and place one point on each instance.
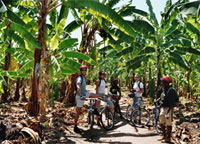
(70, 94)
(23, 91)
(6, 93)
(188, 86)
(144, 79)
(149, 83)
(17, 95)
(159, 70)
(34, 104)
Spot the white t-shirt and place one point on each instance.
(102, 87)
(137, 88)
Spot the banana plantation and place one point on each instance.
(40, 60)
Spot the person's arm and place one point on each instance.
(141, 90)
(97, 86)
(119, 90)
(79, 89)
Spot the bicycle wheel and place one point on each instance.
(90, 119)
(140, 117)
(107, 119)
(129, 112)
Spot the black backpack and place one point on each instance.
(100, 81)
(81, 81)
(144, 93)
(176, 100)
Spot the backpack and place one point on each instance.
(176, 100)
(144, 93)
(81, 81)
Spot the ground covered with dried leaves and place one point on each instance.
(56, 125)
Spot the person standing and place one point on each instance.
(167, 99)
(115, 89)
(138, 88)
(81, 91)
(101, 90)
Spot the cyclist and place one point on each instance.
(115, 89)
(167, 95)
(81, 91)
(101, 89)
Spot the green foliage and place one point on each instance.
(15, 18)
(99, 9)
(67, 43)
(25, 34)
(73, 54)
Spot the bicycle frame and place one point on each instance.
(136, 105)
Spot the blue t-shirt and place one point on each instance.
(83, 85)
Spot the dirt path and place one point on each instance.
(123, 132)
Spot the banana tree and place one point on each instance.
(192, 25)
(61, 60)
(6, 44)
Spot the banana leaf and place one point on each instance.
(56, 37)
(73, 54)
(179, 60)
(21, 59)
(15, 18)
(104, 49)
(190, 8)
(68, 43)
(26, 67)
(15, 37)
(125, 51)
(72, 26)
(2, 7)
(26, 35)
(189, 50)
(132, 10)
(104, 11)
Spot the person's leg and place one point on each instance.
(97, 105)
(169, 127)
(118, 109)
(111, 105)
(79, 105)
(162, 124)
(78, 111)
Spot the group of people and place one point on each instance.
(166, 95)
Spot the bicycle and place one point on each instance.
(155, 116)
(136, 114)
(106, 117)
(115, 98)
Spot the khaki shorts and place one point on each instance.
(163, 119)
(79, 102)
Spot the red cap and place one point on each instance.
(167, 79)
(83, 67)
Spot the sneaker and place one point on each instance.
(166, 140)
(77, 130)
